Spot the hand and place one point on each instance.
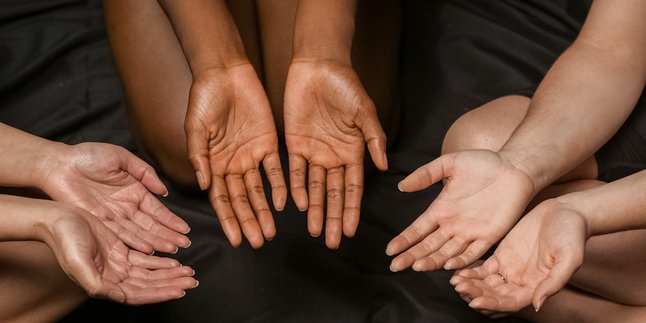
(230, 130)
(537, 258)
(328, 120)
(99, 262)
(482, 199)
(115, 186)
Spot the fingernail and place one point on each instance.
(393, 269)
(384, 159)
(193, 272)
(197, 283)
(389, 252)
(183, 294)
(200, 180)
(165, 193)
(540, 304)
(399, 187)
(176, 250)
(189, 244)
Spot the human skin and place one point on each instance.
(105, 180)
(228, 127)
(585, 97)
(34, 230)
(543, 251)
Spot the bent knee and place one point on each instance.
(488, 126)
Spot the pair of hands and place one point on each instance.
(483, 197)
(116, 188)
(328, 117)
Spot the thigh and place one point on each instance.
(33, 288)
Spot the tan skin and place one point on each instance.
(520, 156)
(214, 79)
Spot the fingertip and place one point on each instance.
(201, 181)
(399, 187)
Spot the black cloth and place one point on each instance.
(57, 80)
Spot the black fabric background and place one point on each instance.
(57, 80)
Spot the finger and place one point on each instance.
(470, 254)
(352, 203)
(143, 172)
(219, 196)
(177, 272)
(425, 176)
(256, 194)
(557, 278)
(335, 200)
(83, 271)
(185, 282)
(161, 238)
(274, 172)
(317, 185)
(438, 258)
(240, 204)
(151, 262)
(128, 237)
(198, 151)
(297, 166)
(157, 242)
(136, 295)
(420, 228)
(424, 248)
(374, 135)
(152, 206)
(468, 289)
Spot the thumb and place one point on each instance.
(374, 136)
(86, 275)
(198, 152)
(557, 278)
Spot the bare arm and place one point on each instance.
(586, 96)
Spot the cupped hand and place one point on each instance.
(116, 186)
(98, 261)
(230, 131)
(483, 197)
(536, 259)
(329, 118)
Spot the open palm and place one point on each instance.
(329, 118)
(230, 131)
(115, 186)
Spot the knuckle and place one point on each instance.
(273, 171)
(221, 198)
(257, 189)
(334, 194)
(353, 188)
(314, 184)
(297, 172)
(242, 198)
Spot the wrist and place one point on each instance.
(48, 162)
(571, 202)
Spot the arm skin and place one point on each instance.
(105, 180)
(91, 255)
(329, 118)
(228, 125)
(542, 252)
(583, 100)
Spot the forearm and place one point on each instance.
(25, 219)
(324, 31)
(207, 32)
(25, 158)
(613, 207)
(585, 97)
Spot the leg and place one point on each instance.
(489, 127)
(33, 287)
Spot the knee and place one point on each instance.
(486, 127)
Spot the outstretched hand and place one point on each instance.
(537, 258)
(230, 131)
(483, 197)
(99, 262)
(329, 119)
(115, 186)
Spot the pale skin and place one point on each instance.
(543, 251)
(105, 180)
(467, 218)
(228, 128)
(47, 246)
(499, 159)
